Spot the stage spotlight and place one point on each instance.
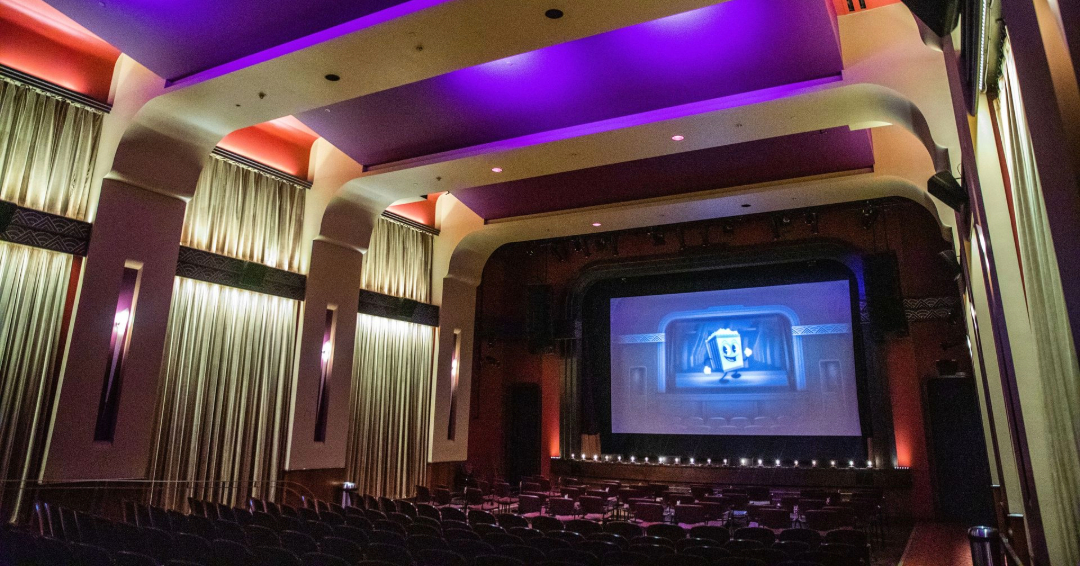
(725, 461)
(813, 463)
(869, 463)
(633, 459)
(832, 463)
(778, 463)
(759, 462)
(691, 461)
(851, 463)
(796, 463)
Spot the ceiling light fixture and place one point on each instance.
(677, 138)
(554, 14)
(596, 224)
(496, 169)
(332, 77)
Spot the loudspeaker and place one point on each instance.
(941, 16)
(7, 211)
(883, 298)
(943, 186)
(538, 318)
(253, 275)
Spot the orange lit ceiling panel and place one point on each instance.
(40, 41)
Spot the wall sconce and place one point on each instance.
(119, 339)
(451, 426)
(326, 365)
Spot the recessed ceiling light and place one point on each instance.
(746, 206)
(496, 169)
(554, 13)
(332, 77)
(677, 138)
(597, 224)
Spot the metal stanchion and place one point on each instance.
(985, 546)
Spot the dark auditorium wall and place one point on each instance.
(503, 358)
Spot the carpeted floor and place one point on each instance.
(934, 544)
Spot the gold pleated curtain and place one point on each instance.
(398, 262)
(226, 378)
(33, 287)
(48, 148)
(242, 213)
(228, 365)
(390, 424)
(47, 152)
(391, 406)
(1059, 370)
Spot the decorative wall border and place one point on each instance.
(931, 308)
(232, 272)
(29, 227)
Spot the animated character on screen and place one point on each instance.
(726, 350)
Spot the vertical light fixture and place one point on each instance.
(455, 365)
(326, 366)
(119, 339)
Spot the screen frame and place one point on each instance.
(596, 361)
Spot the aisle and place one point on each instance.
(937, 544)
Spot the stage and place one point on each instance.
(842, 477)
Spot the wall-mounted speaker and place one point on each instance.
(883, 297)
(253, 275)
(539, 322)
(945, 188)
(7, 211)
(941, 16)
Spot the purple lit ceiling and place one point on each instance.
(734, 47)
(799, 155)
(177, 38)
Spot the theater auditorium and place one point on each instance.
(539, 282)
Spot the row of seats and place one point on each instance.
(408, 534)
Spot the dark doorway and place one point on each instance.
(522, 432)
(958, 448)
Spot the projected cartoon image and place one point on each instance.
(731, 347)
(725, 345)
(775, 360)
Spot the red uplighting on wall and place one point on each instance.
(284, 144)
(852, 6)
(38, 40)
(421, 211)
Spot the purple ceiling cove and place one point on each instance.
(775, 159)
(178, 38)
(730, 48)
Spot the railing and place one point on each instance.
(989, 547)
(106, 497)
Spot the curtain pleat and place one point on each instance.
(226, 377)
(398, 262)
(391, 406)
(245, 214)
(1059, 371)
(47, 151)
(33, 288)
